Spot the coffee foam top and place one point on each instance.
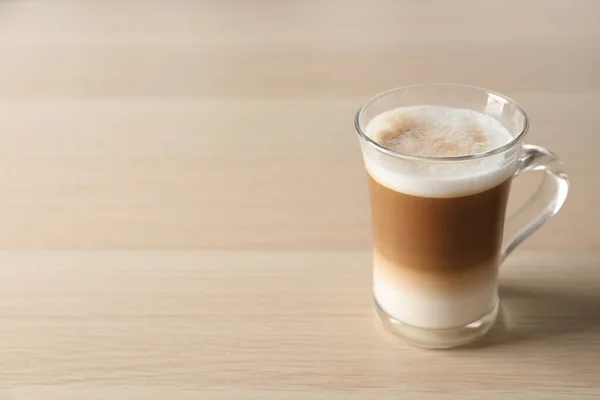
(435, 131)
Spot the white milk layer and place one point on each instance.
(418, 304)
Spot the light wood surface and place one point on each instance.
(184, 209)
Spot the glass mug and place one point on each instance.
(438, 222)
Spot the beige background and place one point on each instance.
(184, 209)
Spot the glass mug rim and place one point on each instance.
(400, 154)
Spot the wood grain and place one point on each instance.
(140, 125)
(184, 209)
(288, 322)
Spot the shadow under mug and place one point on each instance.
(439, 222)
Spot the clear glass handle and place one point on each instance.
(545, 202)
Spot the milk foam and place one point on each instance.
(435, 131)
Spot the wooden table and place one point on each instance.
(184, 209)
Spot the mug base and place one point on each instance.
(437, 338)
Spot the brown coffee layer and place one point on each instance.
(438, 234)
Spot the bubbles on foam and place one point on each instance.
(437, 131)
